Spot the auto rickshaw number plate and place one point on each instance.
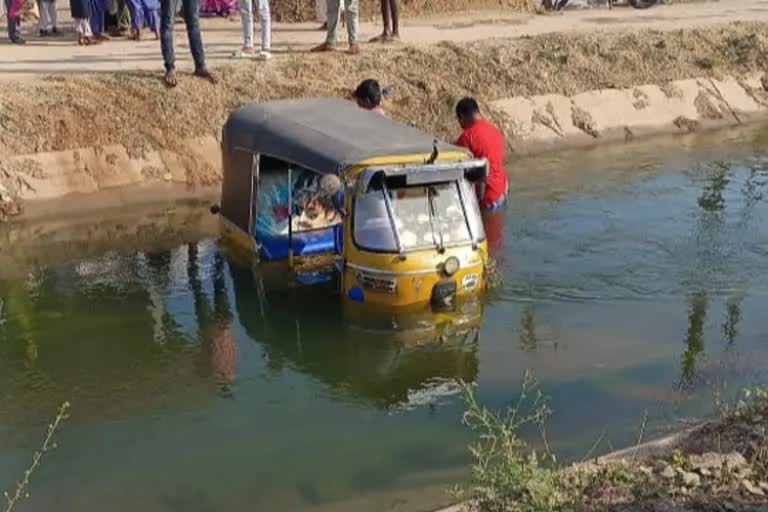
(470, 281)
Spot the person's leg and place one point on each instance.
(265, 18)
(43, 21)
(167, 18)
(152, 16)
(97, 17)
(320, 12)
(386, 19)
(332, 15)
(394, 9)
(191, 12)
(137, 17)
(246, 18)
(385, 22)
(11, 19)
(53, 16)
(332, 20)
(13, 13)
(352, 19)
(83, 27)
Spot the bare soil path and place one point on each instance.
(222, 36)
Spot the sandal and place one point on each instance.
(325, 47)
(381, 38)
(354, 49)
(207, 75)
(244, 55)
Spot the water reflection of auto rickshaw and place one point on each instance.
(406, 359)
(391, 211)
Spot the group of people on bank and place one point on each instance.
(97, 21)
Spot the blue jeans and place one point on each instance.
(498, 204)
(190, 11)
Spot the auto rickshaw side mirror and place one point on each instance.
(476, 173)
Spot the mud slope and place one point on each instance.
(135, 110)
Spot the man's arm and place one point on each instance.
(463, 140)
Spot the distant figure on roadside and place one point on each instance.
(144, 12)
(225, 8)
(321, 12)
(190, 11)
(484, 140)
(333, 14)
(390, 17)
(47, 24)
(98, 10)
(246, 17)
(368, 96)
(13, 13)
(81, 14)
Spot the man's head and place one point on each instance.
(467, 111)
(368, 94)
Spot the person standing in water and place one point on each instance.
(368, 96)
(484, 140)
(190, 11)
(390, 17)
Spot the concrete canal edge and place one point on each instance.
(549, 122)
(533, 124)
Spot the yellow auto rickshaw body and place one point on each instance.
(408, 254)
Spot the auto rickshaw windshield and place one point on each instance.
(416, 217)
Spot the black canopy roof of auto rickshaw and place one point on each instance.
(326, 135)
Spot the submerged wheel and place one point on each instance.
(643, 4)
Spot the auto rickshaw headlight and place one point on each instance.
(451, 266)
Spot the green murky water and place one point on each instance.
(635, 279)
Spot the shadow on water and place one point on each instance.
(113, 334)
(382, 359)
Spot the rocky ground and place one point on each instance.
(720, 466)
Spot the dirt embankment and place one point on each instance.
(135, 111)
(304, 10)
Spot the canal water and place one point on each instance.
(634, 285)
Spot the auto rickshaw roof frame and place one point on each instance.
(326, 135)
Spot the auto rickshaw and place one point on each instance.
(393, 210)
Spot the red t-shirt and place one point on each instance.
(484, 140)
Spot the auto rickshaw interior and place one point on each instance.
(412, 209)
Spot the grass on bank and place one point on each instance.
(721, 466)
(12, 498)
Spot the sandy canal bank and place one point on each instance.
(84, 134)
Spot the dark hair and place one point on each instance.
(467, 107)
(370, 91)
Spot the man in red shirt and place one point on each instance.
(484, 140)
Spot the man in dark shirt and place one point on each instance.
(484, 140)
